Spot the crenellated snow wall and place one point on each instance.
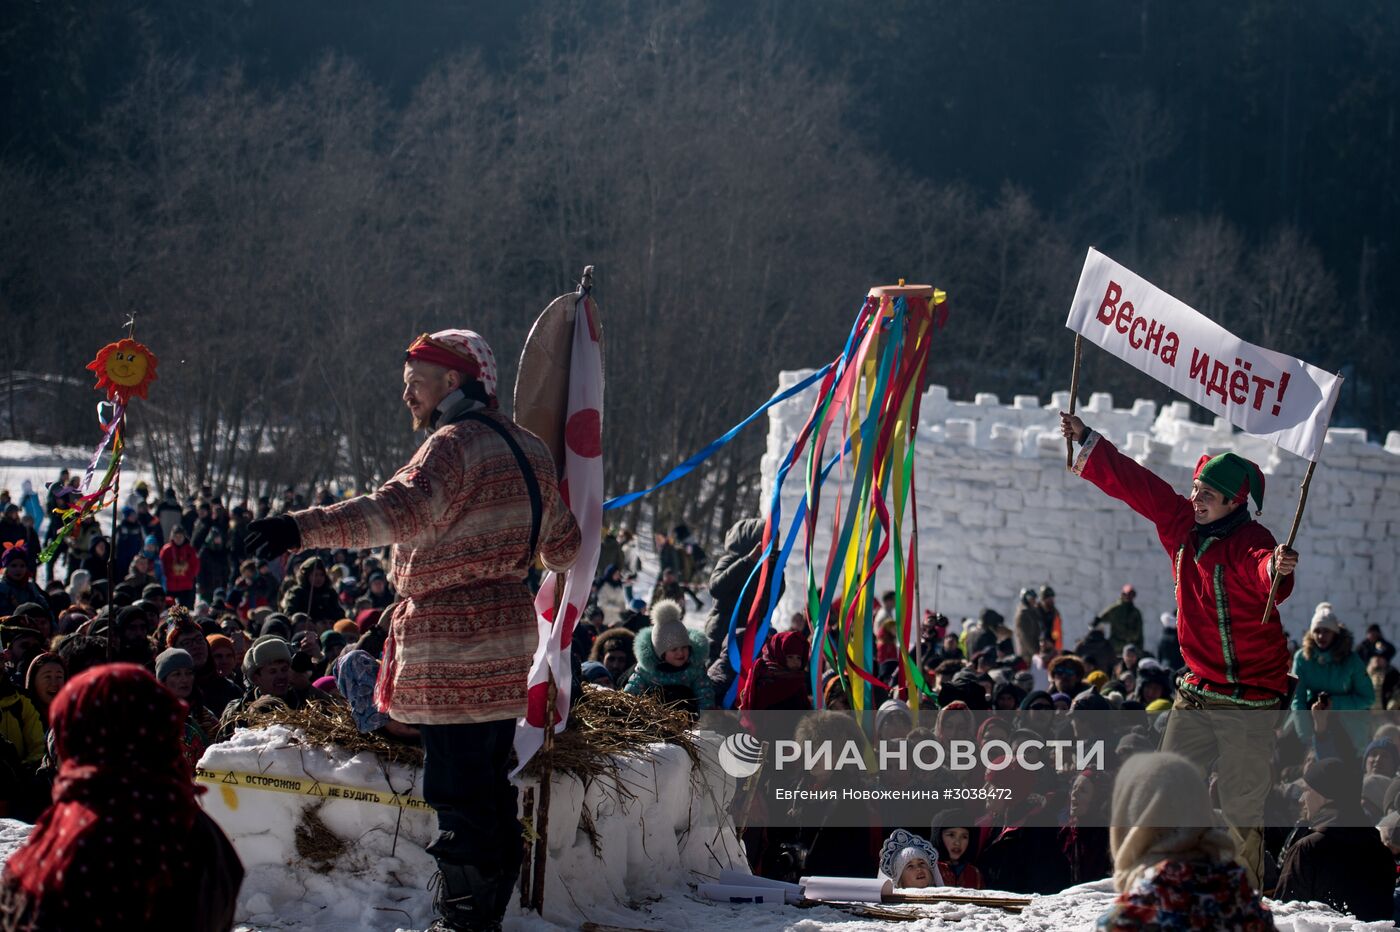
(999, 511)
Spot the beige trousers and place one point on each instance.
(1238, 744)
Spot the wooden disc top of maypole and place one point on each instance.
(902, 290)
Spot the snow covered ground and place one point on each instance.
(337, 902)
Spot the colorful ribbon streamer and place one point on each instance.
(871, 395)
(714, 446)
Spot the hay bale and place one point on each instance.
(323, 724)
(607, 724)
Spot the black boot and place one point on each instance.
(466, 899)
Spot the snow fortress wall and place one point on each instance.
(999, 511)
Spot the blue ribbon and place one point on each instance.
(779, 566)
(689, 465)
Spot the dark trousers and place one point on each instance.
(465, 780)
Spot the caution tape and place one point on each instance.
(305, 786)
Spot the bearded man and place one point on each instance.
(466, 517)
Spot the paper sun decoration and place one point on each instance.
(124, 369)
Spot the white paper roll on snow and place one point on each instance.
(848, 889)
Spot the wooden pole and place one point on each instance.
(118, 441)
(542, 809)
(526, 897)
(112, 635)
(1073, 397)
(1292, 535)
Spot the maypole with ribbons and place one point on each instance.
(864, 420)
(867, 409)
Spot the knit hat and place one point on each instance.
(465, 351)
(1133, 743)
(17, 552)
(1169, 620)
(219, 640)
(1232, 476)
(1324, 617)
(265, 650)
(332, 640)
(1384, 746)
(366, 619)
(1090, 701)
(172, 659)
(667, 631)
(902, 847)
(276, 625)
(326, 684)
(347, 628)
(890, 710)
(29, 610)
(181, 624)
(1159, 705)
(1096, 679)
(593, 671)
(1332, 779)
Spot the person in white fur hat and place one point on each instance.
(1331, 676)
(466, 516)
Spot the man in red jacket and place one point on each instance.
(1237, 662)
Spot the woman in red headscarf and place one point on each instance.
(124, 845)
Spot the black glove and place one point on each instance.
(269, 538)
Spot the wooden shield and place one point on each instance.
(542, 379)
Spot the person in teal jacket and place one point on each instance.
(671, 661)
(1327, 663)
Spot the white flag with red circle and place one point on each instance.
(581, 487)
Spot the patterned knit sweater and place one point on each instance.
(458, 515)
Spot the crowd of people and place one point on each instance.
(180, 597)
(1333, 807)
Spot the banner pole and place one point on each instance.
(1292, 535)
(1073, 397)
(541, 852)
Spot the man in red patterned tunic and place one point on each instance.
(466, 516)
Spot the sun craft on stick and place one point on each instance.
(124, 369)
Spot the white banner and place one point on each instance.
(581, 488)
(1262, 392)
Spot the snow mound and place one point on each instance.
(648, 833)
